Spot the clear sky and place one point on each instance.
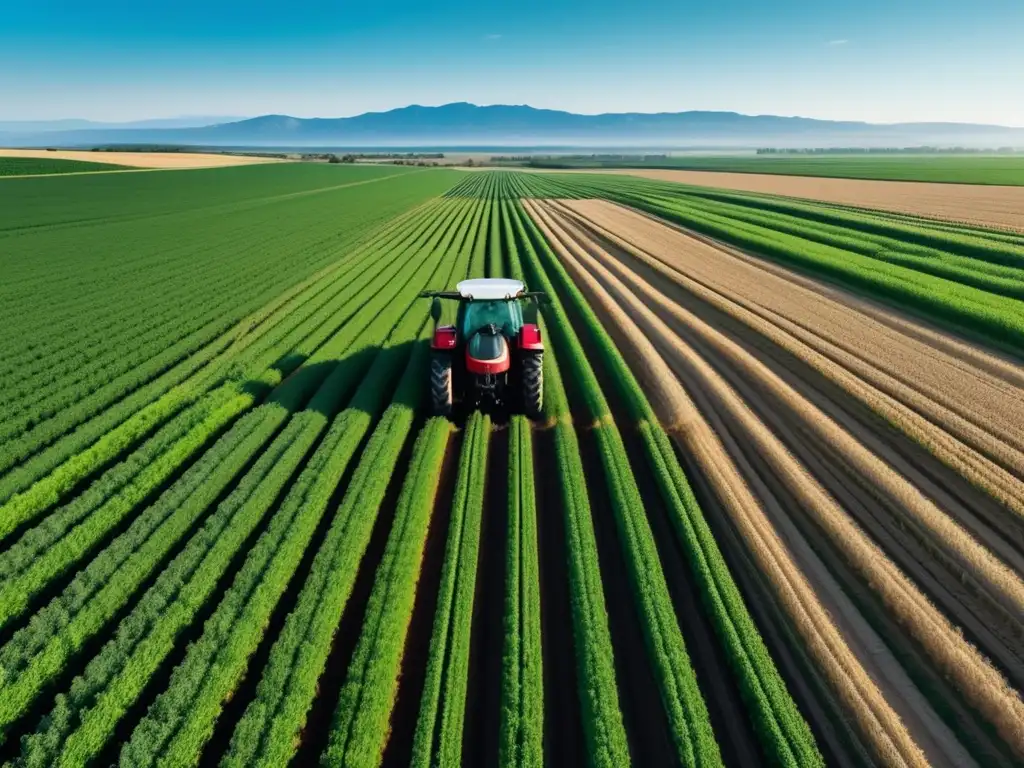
(876, 60)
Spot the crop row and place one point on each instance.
(521, 741)
(603, 726)
(244, 509)
(438, 739)
(181, 720)
(65, 536)
(172, 354)
(782, 729)
(119, 426)
(359, 726)
(522, 688)
(688, 717)
(266, 734)
(275, 251)
(263, 333)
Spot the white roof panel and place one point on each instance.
(490, 288)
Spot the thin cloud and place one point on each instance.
(838, 42)
(492, 37)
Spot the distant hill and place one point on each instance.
(48, 126)
(463, 124)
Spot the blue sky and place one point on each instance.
(876, 60)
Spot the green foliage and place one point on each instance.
(955, 169)
(249, 356)
(360, 725)
(438, 739)
(83, 719)
(997, 318)
(266, 735)
(522, 687)
(122, 667)
(35, 166)
(182, 719)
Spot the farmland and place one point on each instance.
(772, 513)
(34, 166)
(980, 205)
(94, 160)
(1003, 170)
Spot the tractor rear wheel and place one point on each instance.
(441, 384)
(533, 384)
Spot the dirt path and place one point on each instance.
(143, 159)
(989, 206)
(817, 470)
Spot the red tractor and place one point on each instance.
(490, 357)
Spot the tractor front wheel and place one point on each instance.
(441, 384)
(533, 384)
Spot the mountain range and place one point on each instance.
(467, 125)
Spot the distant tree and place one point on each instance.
(333, 159)
(469, 162)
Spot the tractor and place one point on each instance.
(490, 358)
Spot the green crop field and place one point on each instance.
(34, 166)
(233, 532)
(952, 169)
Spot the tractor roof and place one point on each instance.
(490, 288)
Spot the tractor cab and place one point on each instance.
(490, 356)
(505, 315)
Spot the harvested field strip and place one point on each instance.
(784, 733)
(897, 391)
(439, 730)
(915, 236)
(928, 627)
(993, 277)
(688, 425)
(991, 317)
(993, 207)
(692, 735)
(313, 422)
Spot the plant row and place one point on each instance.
(182, 719)
(244, 508)
(268, 731)
(438, 739)
(784, 734)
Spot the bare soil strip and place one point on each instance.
(143, 159)
(793, 454)
(988, 206)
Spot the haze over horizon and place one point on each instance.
(923, 61)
